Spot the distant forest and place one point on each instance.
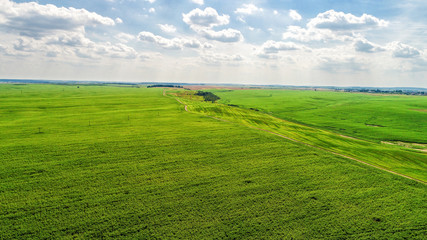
(397, 91)
(163, 85)
(208, 96)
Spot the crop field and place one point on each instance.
(366, 116)
(399, 159)
(126, 162)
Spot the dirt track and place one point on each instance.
(185, 106)
(313, 146)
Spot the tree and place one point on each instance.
(208, 96)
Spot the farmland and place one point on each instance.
(366, 116)
(127, 162)
(401, 160)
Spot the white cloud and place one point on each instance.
(401, 50)
(116, 50)
(339, 21)
(151, 10)
(33, 19)
(26, 45)
(206, 18)
(270, 49)
(191, 43)
(203, 21)
(248, 9)
(68, 44)
(118, 20)
(313, 34)
(200, 2)
(161, 41)
(226, 35)
(275, 12)
(8, 51)
(207, 45)
(275, 47)
(175, 43)
(84, 53)
(218, 58)
(331, 25)
(294, 15)
(363, 45)
(124, 37)
(150, 1)
(167, 28)
(73, 39)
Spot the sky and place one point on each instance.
(380, 43)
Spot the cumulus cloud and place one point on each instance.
(150, 1)
(218, 58)
(271, 48)
(124, 37)
(202, 22)
(248, 9)
(51, 31)
(69, 44)
(363, 45)
(26, 45)
(102, 50)
(115, 50)
(209, 18)
(72, 39)
(191, 43)
(313, 34)
(207, 45)
(84, 53)
(332, 25)
(167, 28)
(274, 47)
(226, 35)
(118, 20)
(294, 15)
(175, 43)
(7, 51)
(200, 2)
(401, 50)
(33, 19)
(160, 41)
(340, 21)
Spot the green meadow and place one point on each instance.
(399, 159)
(366, 116)
(131, 163)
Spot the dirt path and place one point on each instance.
(185, 106)
(342, 155)
(313, 146)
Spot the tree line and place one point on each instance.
(208, 96)
(163, 85)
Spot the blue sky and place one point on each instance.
(305, 42)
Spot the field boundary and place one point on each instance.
(342, 155)
(313, 146)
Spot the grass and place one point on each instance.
(144, 168)
(366, 116)
(405, 161)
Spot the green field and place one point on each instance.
(366, 116)
(399, 159)
(125, 162)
